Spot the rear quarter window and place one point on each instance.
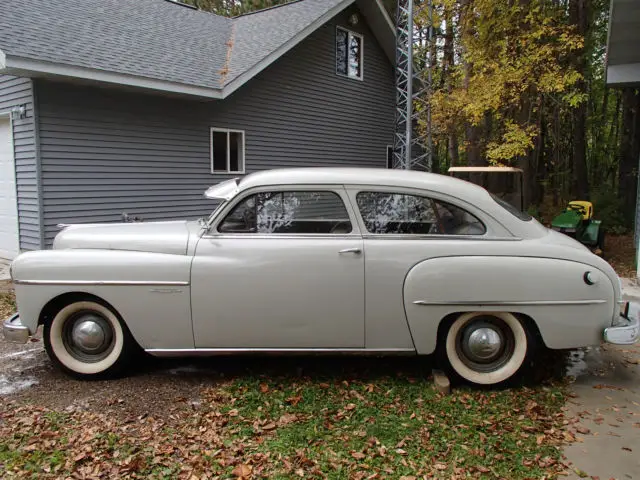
(524, 216)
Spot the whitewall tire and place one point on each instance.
(487, 348)
(87, 339)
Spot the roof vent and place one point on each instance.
(192, 7)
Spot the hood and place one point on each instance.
(158, 237)
(567, 219)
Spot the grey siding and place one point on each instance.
(105, 152)
(14, 92)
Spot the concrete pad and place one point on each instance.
(607, 405)
(4, 269)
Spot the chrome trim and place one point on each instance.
(179, 352)
(402, 236)
(14, 331)
(355, 250)
(100, 282)
(627, 334)
(499, 302)
(280, 236)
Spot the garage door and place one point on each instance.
(9, 246)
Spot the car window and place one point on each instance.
(300, 212)
(396, 213)
(524, 216)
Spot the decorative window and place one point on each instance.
(303, 212)
(398, 213)
(227, 151)
(349, 47)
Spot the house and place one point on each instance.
(623, 64)
(137, 106)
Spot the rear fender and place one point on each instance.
(568, 312)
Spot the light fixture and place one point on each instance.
(354, 19)
(19, 112)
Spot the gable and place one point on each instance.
(157, 45)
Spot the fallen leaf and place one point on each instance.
(350, 406)
(269, 426)
(440, 466)
(358, 455)
(264, 388)
(400, 451)
(241, 471)
(539, 439)
(482, 469)
(583, 430)
(233, 413)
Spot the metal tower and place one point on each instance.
(412, 151)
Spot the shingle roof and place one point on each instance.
(153, 39)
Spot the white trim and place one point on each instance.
(269, 59)
(26, 67)
(350, 34)
(228, 171)
(12, 148)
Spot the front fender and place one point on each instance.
(568, 312)
(150, 291)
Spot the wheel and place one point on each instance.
(486, 348)
(86, 339)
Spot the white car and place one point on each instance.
(323, 261)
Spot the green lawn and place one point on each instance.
(297, 427)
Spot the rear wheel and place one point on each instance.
(86, 339)
(486, 348)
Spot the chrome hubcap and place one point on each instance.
(484, 344)
(88, 335)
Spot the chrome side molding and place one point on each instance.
(510, 303)
(101, 282)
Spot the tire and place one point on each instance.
(486, 364)
(87, 340)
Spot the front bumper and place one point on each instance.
(626, 332)
(14, 331)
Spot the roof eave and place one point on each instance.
(26, 67)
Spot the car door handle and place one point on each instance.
(356, 251)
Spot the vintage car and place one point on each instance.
(320, 260)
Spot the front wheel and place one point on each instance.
(486, 348)
(86, 339)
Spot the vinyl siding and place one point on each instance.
(105, 151)
(16, 91)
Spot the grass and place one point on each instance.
(338, 427)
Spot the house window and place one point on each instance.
(349, 46)
(389, 156)
(227, 151)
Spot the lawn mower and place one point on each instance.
(577, 222)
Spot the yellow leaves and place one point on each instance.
(516, 141)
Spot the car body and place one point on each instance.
(323, 260)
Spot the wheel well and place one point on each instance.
(58, 303)
(529, 323)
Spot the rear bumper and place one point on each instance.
(626, 332)
(14, 331)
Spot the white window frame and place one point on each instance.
(350, 34)
(241, 159)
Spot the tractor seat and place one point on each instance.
(583, 207)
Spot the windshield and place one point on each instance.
(524, 216)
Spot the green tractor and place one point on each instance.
(577, 222)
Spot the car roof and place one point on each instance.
(365, 176)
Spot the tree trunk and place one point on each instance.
(447, 66)
(578, 14)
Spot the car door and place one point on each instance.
(280, 269)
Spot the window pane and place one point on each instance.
(219, 149)
(236, 153)
(524, 216)
(355, 56)
(389, 157)
(289, 212)
(341, 51)
(456, 221)
(396, 213)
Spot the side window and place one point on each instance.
(289, 212)
(397, 213)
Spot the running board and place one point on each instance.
(209, 352)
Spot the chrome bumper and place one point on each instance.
(14, 331)
(626, 332)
